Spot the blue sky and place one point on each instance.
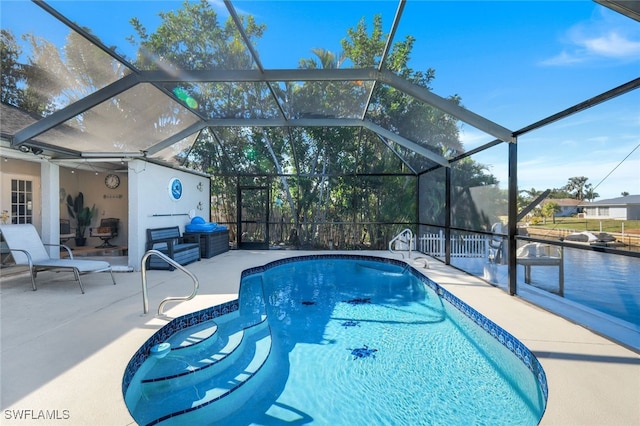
(514, 62)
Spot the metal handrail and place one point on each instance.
(143, 271)
(403, 233)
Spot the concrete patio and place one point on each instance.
(63, 353)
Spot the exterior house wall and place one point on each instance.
(567, 206)
(150, 205)
(618, 212)
(567, 211)
(633, 212)
(606, 212)
(622, 208)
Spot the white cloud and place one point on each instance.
(610, 177)
(472, 138)
(606, 36)
(612, 45)
(564, 58)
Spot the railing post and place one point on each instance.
(143, 271)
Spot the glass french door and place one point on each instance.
(22, 200)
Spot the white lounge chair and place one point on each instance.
(27, 249)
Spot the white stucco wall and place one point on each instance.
(150, 205)
(606, 212)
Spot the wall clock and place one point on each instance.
(112, 181)
(175, 189)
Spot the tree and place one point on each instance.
(193, 38)
(549, 209)
(590, 193)
(12, 70)
(531, 193)
(576, 187)
(624, 194)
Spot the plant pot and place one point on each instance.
(81, 241)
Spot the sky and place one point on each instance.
(513, 62)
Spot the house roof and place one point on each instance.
(619, 201)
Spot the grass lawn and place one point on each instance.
(593, 225)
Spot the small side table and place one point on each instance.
(211, 243)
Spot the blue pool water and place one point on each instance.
(341, 340)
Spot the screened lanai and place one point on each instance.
(336, 125)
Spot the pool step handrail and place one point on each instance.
(145, 295)
(407, 237)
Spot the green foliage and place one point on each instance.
(577, 186)
(12, 71)
(594, 225)
(81, 214)
(549, 209)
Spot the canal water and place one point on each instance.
(605, 282)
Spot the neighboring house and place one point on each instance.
(568, 206)
(624, 208)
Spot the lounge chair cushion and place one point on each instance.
(24, 237)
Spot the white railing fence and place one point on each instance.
(471, 245)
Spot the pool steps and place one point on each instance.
(174, 388)
(176, 366)
(217, 346)
(187, 337)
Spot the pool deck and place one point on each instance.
(63, 353)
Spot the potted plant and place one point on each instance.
(82, 216)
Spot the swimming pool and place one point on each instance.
(336, 339)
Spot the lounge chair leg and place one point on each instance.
(77, 274)
(112, 278)
(33, 278)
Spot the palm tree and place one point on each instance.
(576, 187)
(590, 193)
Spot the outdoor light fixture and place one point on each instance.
(26, 149)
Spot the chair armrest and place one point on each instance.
(162, 240)
(29, 260)
(67, 248)
(168, 241)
